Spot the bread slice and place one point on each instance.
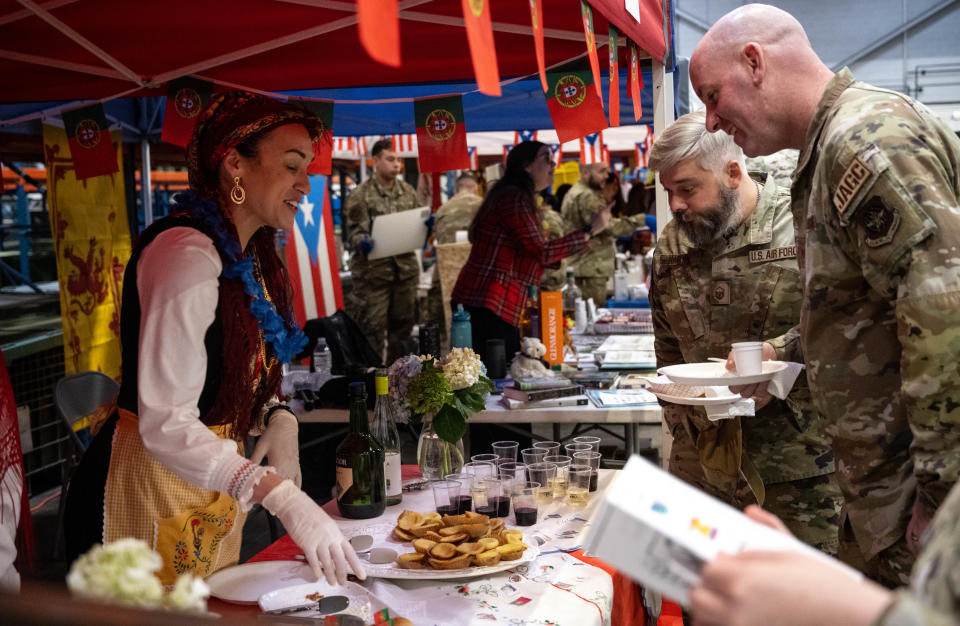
(412, 560)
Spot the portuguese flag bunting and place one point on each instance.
(536, 20)
(91, 146)
(322, 149)
(636, 80)
(576, 110)
(185, 98)
(441, 134)
(476, 17)
(587, 14)
(379, 25)
(614, 94)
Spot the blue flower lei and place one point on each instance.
(285, 342)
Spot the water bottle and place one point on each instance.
(461, 332)
(321, 363)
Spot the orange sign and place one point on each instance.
(551, 319)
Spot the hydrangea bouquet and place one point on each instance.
(123, 572)
(450, 389)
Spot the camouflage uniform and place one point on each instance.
(455, 214)
(553, 226)
(780, 164)
(384, 291)
(594, 267)
(875, 199)
(744, 287)
(933, 598)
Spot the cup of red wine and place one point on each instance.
(446, 495)
(525, 503)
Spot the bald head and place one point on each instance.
(759, 78)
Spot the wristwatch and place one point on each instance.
(588, 229)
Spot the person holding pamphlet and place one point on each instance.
(725, 271)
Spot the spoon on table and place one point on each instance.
(363, 545)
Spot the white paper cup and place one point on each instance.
(748, 357)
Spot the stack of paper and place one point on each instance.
(626, 351)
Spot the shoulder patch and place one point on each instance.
(851, 181)
(673, 259)
(878, 220)
(773, 254)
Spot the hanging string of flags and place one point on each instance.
(593, 150)
(440, 141)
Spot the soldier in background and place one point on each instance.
(453, 215)
(725, 270)
(779, 164)
(585, 199)
(384, 291)
(876, 197)
(554, 226)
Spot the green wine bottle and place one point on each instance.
(360, 484)
(385, 430)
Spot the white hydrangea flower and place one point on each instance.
(462, 368)
(189, 593)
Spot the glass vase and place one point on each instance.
(435, 456)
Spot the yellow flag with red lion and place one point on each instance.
(91, 236)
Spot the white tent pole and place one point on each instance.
(63, 65)
(662, 117)
(88, 45)
(146, 191)
(16, 16)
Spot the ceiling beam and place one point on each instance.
(83, 68)
(883, 40)
(16, 16)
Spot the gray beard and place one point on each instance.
(714, 222)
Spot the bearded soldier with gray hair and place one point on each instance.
(725, 270)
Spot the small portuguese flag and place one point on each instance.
(91, 146)
(322, 149)
(441, 134)
(185, 98)
(576, 109)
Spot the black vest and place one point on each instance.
(130, 328)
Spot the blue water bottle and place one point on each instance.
(461, 333)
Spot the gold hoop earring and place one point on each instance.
(237, 194)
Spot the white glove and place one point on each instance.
(327, 551)
(281, 445)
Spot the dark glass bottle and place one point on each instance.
(530, 316)
(361, 492)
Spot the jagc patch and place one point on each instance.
(879, 221)
(851, 181)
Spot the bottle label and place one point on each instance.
(344, 480)
(391, 473)
(382, 387)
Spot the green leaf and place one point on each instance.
(450, 424)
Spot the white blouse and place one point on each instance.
(178, 287)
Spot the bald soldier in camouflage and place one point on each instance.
(725, 270)
(384, 291)
(594, 268)
(453, 215)
(780, 165)
(876, 199)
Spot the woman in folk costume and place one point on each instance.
(206, 324)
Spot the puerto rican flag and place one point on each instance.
(312, 257)
(592, 148)
(524, 135)
(474, 158)
(404, 144)
(556, 152)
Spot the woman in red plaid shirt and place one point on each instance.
(509, 249)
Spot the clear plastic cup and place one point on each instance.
(496, 501)
(552, 447)
(490, 458)
(512, 474)
(506, 449)
(524, 501)
(559, 480)
(446, 496)
(593, 441)
(574, 447)
(465, 500)
(533, 455)
(593, 460)
(578, 485)
(542, 473)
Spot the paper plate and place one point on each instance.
(244, 584)
(357, 596)
(716, 374)
(725, 397)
